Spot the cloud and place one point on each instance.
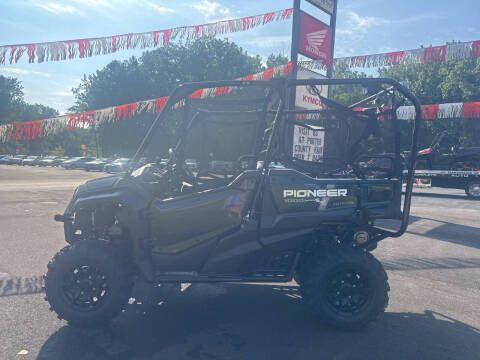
(269, 41)
(63, 93)
(57, 8)
(212, 9)
(354, 23)
(95, 3)
(160, 9)
(19, 71)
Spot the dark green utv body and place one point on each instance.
(242, 199)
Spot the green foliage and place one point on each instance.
(11, 98)
(277, 60)
(347, 94)
(14, 108)
(445, 82)
(156, 73)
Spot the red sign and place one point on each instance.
(315, 39)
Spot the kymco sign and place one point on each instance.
(315, 39)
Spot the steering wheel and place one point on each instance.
(237, 167)
(180, 170)
(357, 170)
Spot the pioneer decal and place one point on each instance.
(312, 195)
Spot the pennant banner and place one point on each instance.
(455, 51)
(314, 43)
(82, 48)
(30, 130)
(467, 110)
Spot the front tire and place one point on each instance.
(88, 283)
(473, 190)
(346, 288)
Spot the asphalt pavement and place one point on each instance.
(434, 310)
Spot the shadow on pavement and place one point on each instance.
(21, 285)
(259, 322)
(442, 196)
(406, 264)
(450, 232)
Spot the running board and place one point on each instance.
(191, 277)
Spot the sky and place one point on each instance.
(363, 27)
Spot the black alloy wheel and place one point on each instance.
(88, 282)
(348, 290)
(85, 287)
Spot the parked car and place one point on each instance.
(117, 166)
(17, 159)
(30, 160)
(47, 161)
(97, 164)
(59, 161)
(6, 160)
(77, 162)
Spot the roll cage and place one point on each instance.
(281, 127)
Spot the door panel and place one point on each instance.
(190, 223)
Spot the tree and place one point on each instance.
(11, 98)
(156, 73)
(347, 94)
(14, 108)
(276, 60)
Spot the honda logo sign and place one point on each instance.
(315, 39)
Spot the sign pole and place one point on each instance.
(333, 27)
(295, 46)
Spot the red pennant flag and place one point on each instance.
(471, 109)
(434, 54)
(430, 112)
(476, 48)
(160, 103)
(394, 58)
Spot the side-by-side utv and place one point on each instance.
(447, 153)
(255, 190)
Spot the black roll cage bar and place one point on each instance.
(282, 85)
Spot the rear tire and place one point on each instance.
(473, 190)
(88, 283)
(346, 288)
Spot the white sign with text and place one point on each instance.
(308, 143)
